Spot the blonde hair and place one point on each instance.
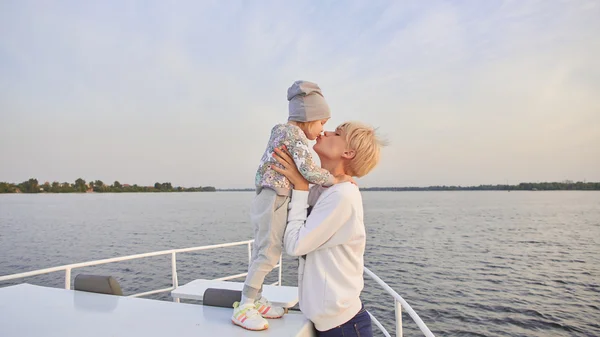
(366, 145)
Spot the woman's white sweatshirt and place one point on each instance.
(331, 246)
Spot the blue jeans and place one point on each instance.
(358, 326)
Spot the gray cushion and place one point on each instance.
(221, 297)
(97, 284)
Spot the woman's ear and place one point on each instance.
(349, 154)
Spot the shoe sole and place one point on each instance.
(242, 326)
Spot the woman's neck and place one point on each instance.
(336, 168)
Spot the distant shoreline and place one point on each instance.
(544, 186)
(32, 186)
(80, 186)
(375, 189)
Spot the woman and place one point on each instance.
(331, 241)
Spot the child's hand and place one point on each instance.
(345, 178)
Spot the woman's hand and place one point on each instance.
(289, 170)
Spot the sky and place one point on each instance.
(465, 92)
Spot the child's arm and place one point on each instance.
(298, 148)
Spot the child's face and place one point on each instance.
(315, 129)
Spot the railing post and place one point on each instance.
(174, 272)
(68, 278)
(398, 318)
(280, 266)
(249, 253)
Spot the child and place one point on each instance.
(308, 112)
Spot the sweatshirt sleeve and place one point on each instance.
(298, 148)
(303, 235)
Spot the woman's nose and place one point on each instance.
(327, 133)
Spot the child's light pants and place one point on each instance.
(268, 216)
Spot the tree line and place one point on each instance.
(566, 185)
(543, 186)
(81, 186)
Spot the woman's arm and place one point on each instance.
(304, 235)
(290, 170)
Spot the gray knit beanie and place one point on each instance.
(307, 103)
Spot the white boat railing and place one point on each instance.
(69, 267)
(399, 302)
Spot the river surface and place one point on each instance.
(469, 263)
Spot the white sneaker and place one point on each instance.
(248, 318)
(267, 310)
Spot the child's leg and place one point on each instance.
(269, 218)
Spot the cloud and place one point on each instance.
(141, 92)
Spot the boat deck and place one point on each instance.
(30, 310)
(282, 296)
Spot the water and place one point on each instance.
(470, 263)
